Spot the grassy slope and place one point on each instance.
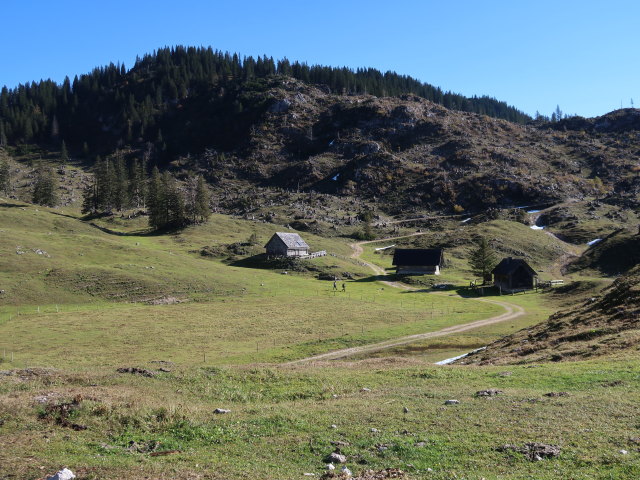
(279, 425)
(280, 421)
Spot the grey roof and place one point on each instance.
(291, 240)
(508, 266)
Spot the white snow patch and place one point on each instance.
(465, 220)
(447, 361)
(385, 248)
(594, 241)
(336, 177)
(536, 227)
(533, 211)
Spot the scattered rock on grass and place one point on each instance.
(137, 371)
(452, 402)
(221, 411)
(365, 389)
(534, 451)
(335, 457)
(491, 392)
(556, 394)
(64, 474)
(624, 452)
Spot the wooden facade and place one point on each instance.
(418, 261)
(287, 245)
(514, 274)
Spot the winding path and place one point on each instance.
(511, 312)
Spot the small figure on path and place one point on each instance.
(344, 287)
(335, 285)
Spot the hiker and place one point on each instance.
(335, 285)
(344, 287)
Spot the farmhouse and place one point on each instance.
(418, 261)
(287, 245)
(514, 274)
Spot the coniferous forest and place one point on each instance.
(183, 99)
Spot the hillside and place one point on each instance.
(258, 137)
(602, 325)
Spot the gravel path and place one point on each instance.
(511, 312)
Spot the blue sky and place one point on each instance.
(581, 55)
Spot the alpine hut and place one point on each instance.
(287, 245)
(514, 274)
(418, 261)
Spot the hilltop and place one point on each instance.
(256, 130)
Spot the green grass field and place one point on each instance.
(222, 330)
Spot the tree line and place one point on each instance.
(117, 187)
(112, 106)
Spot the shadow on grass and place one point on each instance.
(12, 205)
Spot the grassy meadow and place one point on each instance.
(215, 331)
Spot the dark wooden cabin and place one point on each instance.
(418, 261)
(514, 274)
(287, 245)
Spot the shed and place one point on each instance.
(418, 261)
(514, 274)
(287, 245)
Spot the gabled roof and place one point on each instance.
(291, 240)
(417, 256)
(509, 265)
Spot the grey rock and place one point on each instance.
(452, 402)
(335, 457)
(220, 411)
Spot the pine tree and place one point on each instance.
(105, 184)
(90, 198)
(5, 176)
(120, 187)
(64, 155)
(202, 209)
(3, 135)
(155, 201)
(483, 259)
(173, 202)
(44, 189)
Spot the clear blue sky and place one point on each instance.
(582, 55)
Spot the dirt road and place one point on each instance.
(511, 312)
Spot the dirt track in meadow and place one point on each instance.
(511, 312)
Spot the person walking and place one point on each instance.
(344, 287)
(335, 285)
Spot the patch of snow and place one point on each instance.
(536, 227)
(533, 211)
(447, 361)
(336, 177)
(465, 220)
(594, 241)
(331, 142)
(385, 248)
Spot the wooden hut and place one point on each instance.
(287, 245)
(514, 274)
(418, 261)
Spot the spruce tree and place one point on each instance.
(64, 155)
(483, 259)
(5, 176)
(44, 189)
(155, 200)
(120, 187)
(202, 209)
(90, 198)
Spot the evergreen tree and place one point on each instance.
(44, 189)
(120, 186)
(90, 198)
(105, 184)
(483, 259)
(3, 135)
(173, 202)
(156, 200)
(5, 176)
(202, 209)
(64, 155)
